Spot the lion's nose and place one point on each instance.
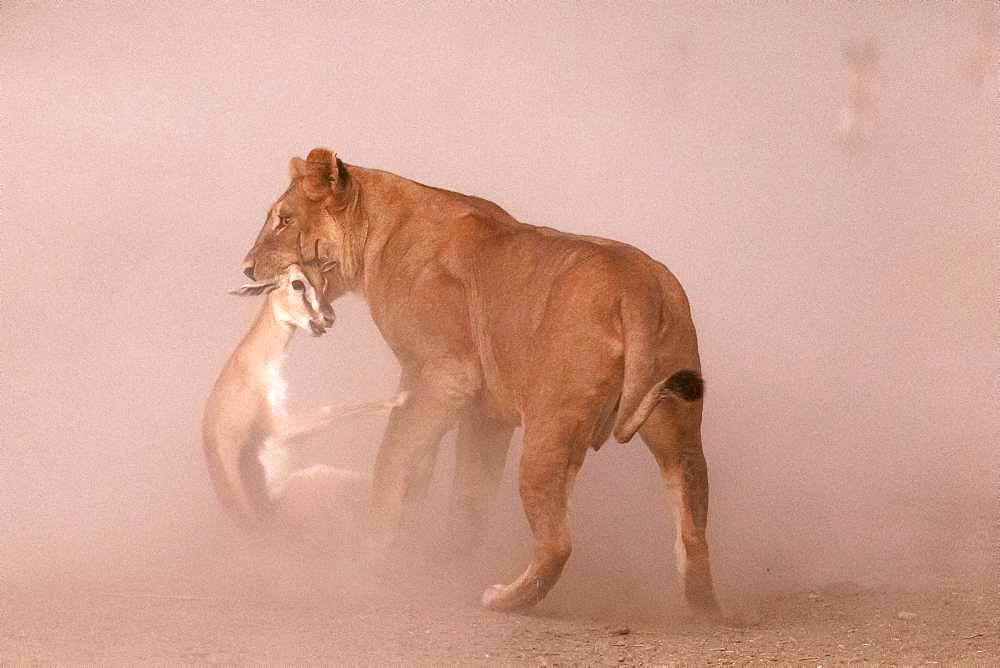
(248, 269)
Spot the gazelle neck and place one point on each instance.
(267, 339)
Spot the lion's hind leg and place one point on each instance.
(550, 459)
(673, 434)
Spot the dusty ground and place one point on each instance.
(131, 625)
(294, 615)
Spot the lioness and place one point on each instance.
(496, 324)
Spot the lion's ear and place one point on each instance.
(296, 168)
(320, 173)
(322, 156)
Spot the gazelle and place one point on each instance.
(246, 426)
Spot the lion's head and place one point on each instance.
(316, 222)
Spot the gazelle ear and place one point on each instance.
(253, 289)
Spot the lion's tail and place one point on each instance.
(646, 380)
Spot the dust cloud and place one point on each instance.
(844, 285)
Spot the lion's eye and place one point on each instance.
(283, 222)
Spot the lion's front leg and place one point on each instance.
(480, 458)
(413, 432)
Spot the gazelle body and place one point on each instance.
(246, 426)
(245, 412)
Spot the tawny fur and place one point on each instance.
(496, 324)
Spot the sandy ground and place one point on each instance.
(825, 627)
(297, 612)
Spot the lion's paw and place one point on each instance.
(492, 598)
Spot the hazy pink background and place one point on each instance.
(846, 302)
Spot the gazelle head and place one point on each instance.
(296, 298)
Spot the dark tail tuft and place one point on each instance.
(686, 384)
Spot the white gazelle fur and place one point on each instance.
(246, 427)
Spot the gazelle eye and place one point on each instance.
(298, 285)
